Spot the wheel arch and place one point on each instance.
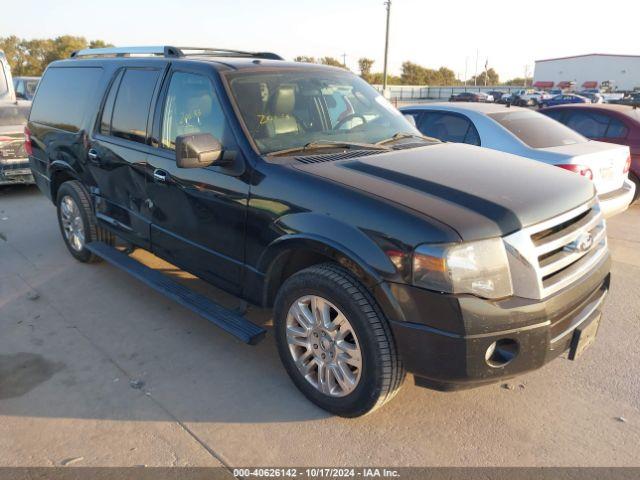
(60, 172)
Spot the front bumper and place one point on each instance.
(15, 171)
(618, 201)
(445, 342)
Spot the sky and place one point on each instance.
(509, 35)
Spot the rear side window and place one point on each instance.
(64, 96)
(537, 130)
(589, 124)
(449, 128)
(131, 108)
(617, 129)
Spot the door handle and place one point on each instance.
(93, 156)
(160, 175)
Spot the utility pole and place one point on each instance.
(466, 60)
(475, 79)
(344, 60)
(386, 49)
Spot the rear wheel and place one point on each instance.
(335, 343)
(77, 221)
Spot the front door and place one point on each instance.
(197, 214)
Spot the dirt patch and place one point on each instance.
(22, 372)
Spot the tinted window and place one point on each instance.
(131, 108)
(107, 111)
(192, 107)
(448, 127)
(589, 124)
(555, 114)
(617, 129)
(64, 97)
(537, 130)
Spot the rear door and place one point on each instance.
(119, 149)
(198, 215)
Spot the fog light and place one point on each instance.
(501, 352)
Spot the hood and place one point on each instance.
(478, 192)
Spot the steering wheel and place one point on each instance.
(350, 117)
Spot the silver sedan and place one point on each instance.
(530, 134)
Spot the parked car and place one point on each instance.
(554, 91)
(632, 99)
(497, 95)
(507, 98)
(14, 163)
(25, 87)
(564, 99)
(6, 83)
(594, 97)
(533, 135)
(619, 124)
(528, 97)
(299, 187)
(469, 97)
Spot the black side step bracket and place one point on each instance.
(226, 319)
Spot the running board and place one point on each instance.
(226, 319)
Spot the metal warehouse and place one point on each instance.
(621, 72)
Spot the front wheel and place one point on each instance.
(335, 343)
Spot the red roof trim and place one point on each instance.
(588, 55)
(543, 84)
(590, 84)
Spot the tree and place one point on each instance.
(305, 59)
(412, 74)
(365, 65)
(492, 78)
(334, 62)
(518, 82)
(31, 57)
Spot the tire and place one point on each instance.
(72, 194)
(380, 374)
(636, 180)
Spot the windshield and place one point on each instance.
(291, 109)
(13, 115)
(537, 130)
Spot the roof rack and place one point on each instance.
(170, 52)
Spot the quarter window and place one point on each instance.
(192, 107)
(131, 108)
(64, 95)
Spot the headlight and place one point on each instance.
(480, 268)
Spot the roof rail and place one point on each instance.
(169, 52)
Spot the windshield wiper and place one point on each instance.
(329, 144)
(403, 135)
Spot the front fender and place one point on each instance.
(330, 237)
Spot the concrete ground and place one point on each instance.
(98, 369)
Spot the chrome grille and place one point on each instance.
(551, 255)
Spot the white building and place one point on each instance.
(589, 71)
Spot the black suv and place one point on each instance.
(299, 187)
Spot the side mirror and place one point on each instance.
(197, 151)
(411, 119)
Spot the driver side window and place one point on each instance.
(191, 106)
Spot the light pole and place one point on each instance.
(344, 60)
(386, 49)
